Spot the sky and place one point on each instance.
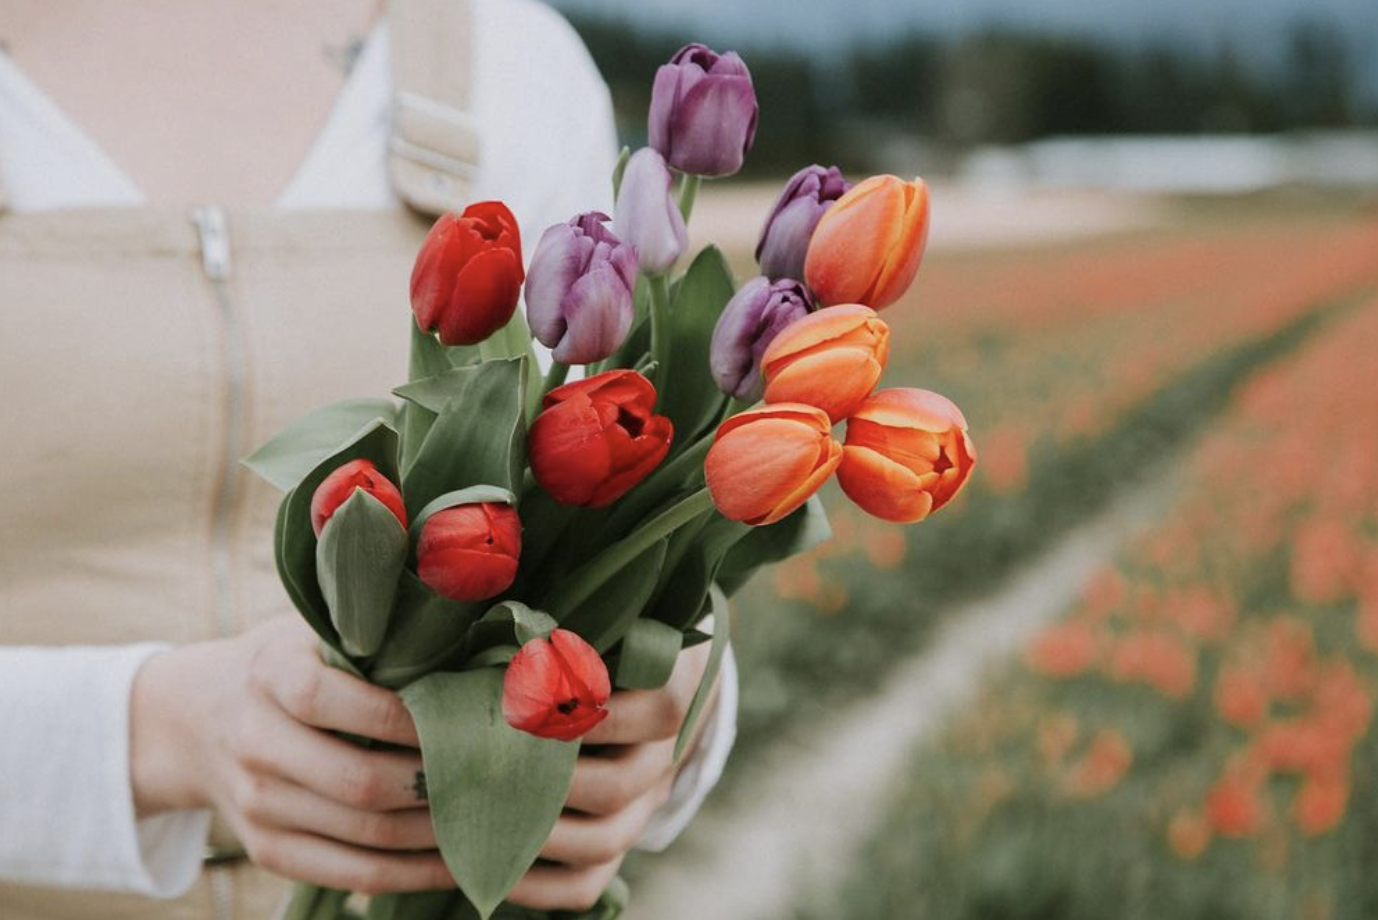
(1252, 26)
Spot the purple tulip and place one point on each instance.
(749, 323)
(785, 236)
(703, 111)
(579, 290)
(647, 215)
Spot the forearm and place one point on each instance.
(66, 805)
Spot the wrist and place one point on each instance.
(162, 742)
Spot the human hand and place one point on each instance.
(624, 774)
(255, 742)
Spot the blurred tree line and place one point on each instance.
(1003, 86)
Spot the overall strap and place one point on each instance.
(433, 148)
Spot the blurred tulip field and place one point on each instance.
(1191, 738)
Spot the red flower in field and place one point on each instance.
(556, 687)
(1341, 701)
(468, 274)
(1324, 561)
(1005, 458)
(1241, 696)
(1057, 732)
(1105, 592)
(1104, 765)
(1156, 659)
(1320, 803)
(1201, 614)
(1063, 650)
(1188, 833)
(1303, 746)
(1233, 806)
(336, 489)
(1291, 658)
(597, 438)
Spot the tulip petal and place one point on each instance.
(837, 381)
(902, 261)
(560, 257)
(754, 468)
(829, 459)
(882, 487)
(598, 313)
(853, 240)
(907, 407)
(484, 299)
(568, 453)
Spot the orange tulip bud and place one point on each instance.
(867, 247)
(766, 462)
(907, 454)
(831, 359)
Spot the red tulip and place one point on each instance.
(556, 687)
(907, 454)
(468, 274)
(597, 438)
(470, 552)
(336, 489)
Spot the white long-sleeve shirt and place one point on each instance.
(545, 119)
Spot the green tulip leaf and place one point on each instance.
(359, 557)
(649, 652)
(683, 590)
(499, 656)
(478, 436)
(798, 533)
(693, 401)
(377, 442)
(530, 624)
(291, 454)
(619, 170)
(606, 616)
(495, 792)
(427, 631)
(414, 905)
(722, 619)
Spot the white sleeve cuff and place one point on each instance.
(66, 805)
(700, 772)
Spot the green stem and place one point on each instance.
(684, 470)
(312, 902)
(688, 194)
(660, 332)
(585, 581)
(555, 377)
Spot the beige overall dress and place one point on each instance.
(143, 351)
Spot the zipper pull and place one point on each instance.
(214, 231)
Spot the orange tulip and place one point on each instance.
(765, 463)
(868, 246)
(831, 359)
(907, 454)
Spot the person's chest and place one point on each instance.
(213, 101)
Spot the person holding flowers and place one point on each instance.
(149, 675)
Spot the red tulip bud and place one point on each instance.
(470, 552)
(336, 489)
(597, 438)
(468, 274)
(556, 687)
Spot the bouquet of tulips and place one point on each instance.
(504, 547)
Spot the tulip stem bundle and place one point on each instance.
(418, 540)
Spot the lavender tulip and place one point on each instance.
(579, 290)
(785, 236)
(703, 111)
(749, 323)
(647, 215)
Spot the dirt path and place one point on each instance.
(796, 818)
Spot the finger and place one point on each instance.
(281, 804)
(338, 770)
(650, 715)
(312, 859)
(585, 840)
(548, 887)
(606, 785)
(328, 698)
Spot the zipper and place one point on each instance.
(216, 262)
(212, 228)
